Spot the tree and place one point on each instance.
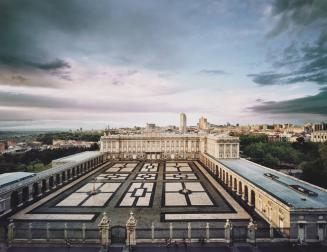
(314, 172)
(323, 153)
(253, 138)
(269, 160)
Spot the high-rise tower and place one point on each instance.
(182, 123)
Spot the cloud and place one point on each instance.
(308, 65)
(305, 58)
(314, 104)
(268, 78)
(68, 104)
(213, 72)
(293, 14)
(37, 32)
(18, 79)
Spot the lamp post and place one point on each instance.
(94, 191)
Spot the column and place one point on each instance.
(170, 231)
(252, 227)
(321, 228)
(83, 232)
(152, 231)
(301, 231)
(65, 231)
(48, 231)
(207, 231)
(39, 186)
(228, 231)
(234, 187)
(271, 231)
(11, 227)
(30, 192)
(243, 192)
(30, 236)
(189, 232)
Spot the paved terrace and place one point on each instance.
(161, 192)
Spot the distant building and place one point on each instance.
(182, 123)
(319, 136)
(203, 123)
(150, 127)
(159, 146)
(11, 143)
(319, 132)
(319, 126)
(64, 144)
(2, 148)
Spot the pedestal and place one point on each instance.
(130, 228)
(104, 231)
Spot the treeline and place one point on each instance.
(47, 138)
(310, 157)
(36, 160)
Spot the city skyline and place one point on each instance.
(75, 64)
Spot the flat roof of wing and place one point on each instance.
(13, 177)
(286, 188)
(79, 157)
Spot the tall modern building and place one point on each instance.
(182, 123)
(203, 123)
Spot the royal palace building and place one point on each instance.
(291, 205)
(172, 179)
(157, 146)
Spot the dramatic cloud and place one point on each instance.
(303, 59)
(308, 64)
(298, 14)
(315, 104)
(33, 31)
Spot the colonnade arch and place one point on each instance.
(231, 180)
(25, 194)
(14, 199)
(36, 189)
(44, 186)
(252, 202)
(240, 188)
(246, 193)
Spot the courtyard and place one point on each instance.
(158, 193)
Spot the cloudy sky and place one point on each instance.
(82, 63)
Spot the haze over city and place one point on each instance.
(69, 64)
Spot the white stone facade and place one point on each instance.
(169, 146)
(319, 136)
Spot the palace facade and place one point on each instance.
(160, 146)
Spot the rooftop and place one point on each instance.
(291, 191)
(79, 157)
(174, 135)
(13, 177)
